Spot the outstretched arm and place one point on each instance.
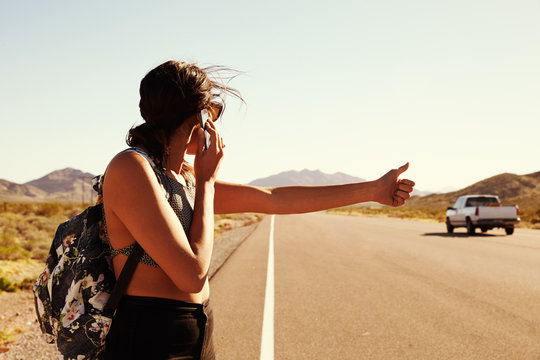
(235, 198)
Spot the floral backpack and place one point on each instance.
(77, 293)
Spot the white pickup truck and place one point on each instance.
(481, 211)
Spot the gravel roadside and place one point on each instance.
(18, 317)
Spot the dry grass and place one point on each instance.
(19, 274)
(228, 222)
(531, 218)
(6, 337)
(384, 211)
(27, 230)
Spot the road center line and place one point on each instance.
(267, 337)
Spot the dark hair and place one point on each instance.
(170, 94)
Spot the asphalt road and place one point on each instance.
(375, 288)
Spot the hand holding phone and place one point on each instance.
(215, 111)
(203, 118)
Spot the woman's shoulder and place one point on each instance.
(129, 166)
(128, 160)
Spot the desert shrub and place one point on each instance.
(48, 223)
(400, 212)
(13, 253)
(6, 337)
(6, 285)
(20, 208)
(536, 217)
(66, 210)
(252, 220)
(9, 229)
(225, 226)
(19, 274)
(532, 216)
(35, 237)
(39, 253)
(48, 209)
(10, 248)
(26, 236)
(7, 239)
(10, 286)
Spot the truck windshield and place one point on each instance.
(481, 201)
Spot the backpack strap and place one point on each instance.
(123, 280)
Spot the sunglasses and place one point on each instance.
(214, 111)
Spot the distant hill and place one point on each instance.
(10, 191)
(61, 181)
(305, 177)
(312, 177)
(523, 190)
(61, 185)
(420, 192)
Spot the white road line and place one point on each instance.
(267, 337)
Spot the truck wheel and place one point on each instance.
(470, 227)
(449, 226)
(484, 230)
(509, 230)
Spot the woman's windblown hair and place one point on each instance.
(170, 94)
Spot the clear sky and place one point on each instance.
(352, 86)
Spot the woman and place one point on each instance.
(152, 197)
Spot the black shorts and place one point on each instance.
(157, 328)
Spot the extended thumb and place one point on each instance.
(403, 168)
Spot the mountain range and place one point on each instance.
(305, 177)
(74, 185)
(61, 185)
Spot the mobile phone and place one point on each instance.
(203, 118)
